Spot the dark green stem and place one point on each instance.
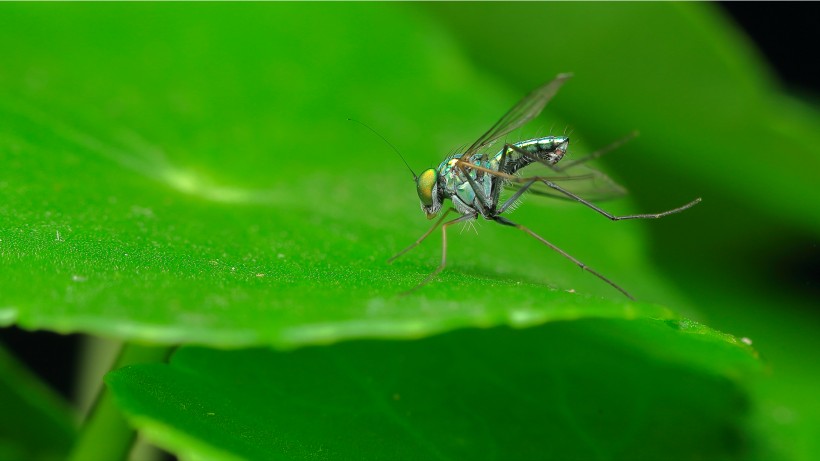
(105, 433)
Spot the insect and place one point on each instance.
(473, 180)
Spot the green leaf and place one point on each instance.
(196, 180)
(105, 433)
(187, 174)
(35, 423)
(602, 389)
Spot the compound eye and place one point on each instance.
(425, 184)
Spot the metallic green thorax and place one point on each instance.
(453, 185)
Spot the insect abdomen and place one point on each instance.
(549, 149)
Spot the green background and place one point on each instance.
(186, 175)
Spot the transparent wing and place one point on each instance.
(526, 110)
(586, 182)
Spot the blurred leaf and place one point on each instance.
(569, 390)
(713, 122)
(709, 112)
(184, 183)
(786, 415)
(35, 423)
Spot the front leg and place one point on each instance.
(443, 251)
(420, 239)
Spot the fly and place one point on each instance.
(473, 181)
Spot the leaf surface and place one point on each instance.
(594, 389)
(185, 184)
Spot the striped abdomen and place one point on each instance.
(549, 149)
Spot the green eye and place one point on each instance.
(425, 184)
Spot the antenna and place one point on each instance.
(389, 144)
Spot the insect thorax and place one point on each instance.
(452, 183)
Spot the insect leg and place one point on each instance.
(421, 239)
(610, 216)
(495, 190)
(507, 222)
(483, 203)
(598, 153)
(515, 196)
(572, 196)
(443, 250)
